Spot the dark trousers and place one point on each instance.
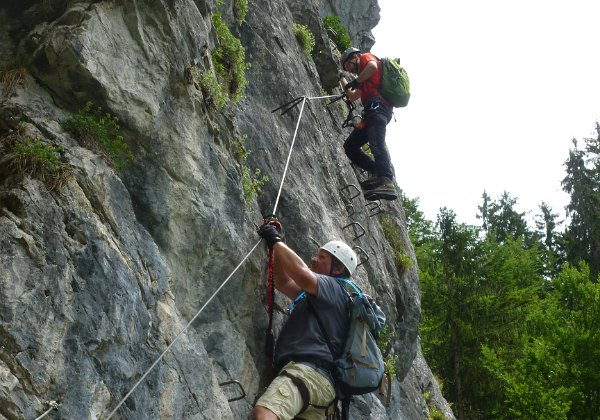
(374, 134)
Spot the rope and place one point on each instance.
(289, 156)
(182, 331)
(53, 406)
(304, 99)
(323, 97)
(269, 337)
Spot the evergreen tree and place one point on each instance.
(476, 292)
(446, 283)
(553, 372)
(582, 236)
(419, 228)
(484, 211)
(500, 219)
(550, 240)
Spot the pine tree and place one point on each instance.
(551, 241)
(582, 236)
(501, 220)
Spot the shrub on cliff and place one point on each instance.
(94, 128)
(25, 155)
(337, 32)
(229, 59)
(305, 38)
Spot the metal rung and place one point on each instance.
(238, 384)
(347, 191)
(386, 385)
(374, 207)
(363, 253)
(354, 226)
(350, 210)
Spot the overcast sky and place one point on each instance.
(499, 89)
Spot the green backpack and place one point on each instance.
(395, 86)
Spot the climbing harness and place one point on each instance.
(292, 104)
(304, 393)
(353, 118)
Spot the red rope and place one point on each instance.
(269, 339)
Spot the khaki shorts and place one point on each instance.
(283, 398)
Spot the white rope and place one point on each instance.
(289, 155)
(53, 405)
(181, 332)
(304, 99)
(323, 97)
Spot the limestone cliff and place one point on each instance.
(101, 271)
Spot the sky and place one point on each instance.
(498, 91)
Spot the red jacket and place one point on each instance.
(370, 87)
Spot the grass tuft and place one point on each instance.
(305, 38)
(35, 157)
(94, 128)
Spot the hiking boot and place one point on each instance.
(370, 183)
(386, 190)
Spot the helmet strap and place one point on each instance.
(335, 263)
(331, 269)
(356, 67)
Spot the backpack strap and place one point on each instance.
(320, 323)
(351, 283)
(380, 69)
(346, 408)
(322, 328)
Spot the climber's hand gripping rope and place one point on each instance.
(270, 230)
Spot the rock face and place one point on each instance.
(100, 276)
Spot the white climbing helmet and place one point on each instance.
(343, 253)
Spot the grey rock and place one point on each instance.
(99, 279)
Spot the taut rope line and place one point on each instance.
(289, 156)
(181, 332)
(304, 99)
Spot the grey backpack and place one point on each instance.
(360, 367)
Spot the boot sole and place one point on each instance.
(381, 195)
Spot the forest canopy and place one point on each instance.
(511, 312)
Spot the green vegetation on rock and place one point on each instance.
(305, 38)
(337, 32)
(95, 128)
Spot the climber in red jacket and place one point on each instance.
(377, 113)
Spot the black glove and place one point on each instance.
(352, 85)
(270, 234)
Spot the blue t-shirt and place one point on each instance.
(301, 339)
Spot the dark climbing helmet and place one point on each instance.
(349, 52)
